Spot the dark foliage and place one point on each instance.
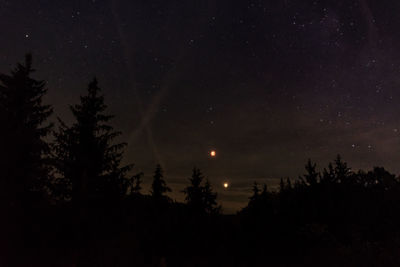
(334, 210)
(24, 164)
(87, 160)
(159, 186)
(199, 197)
(23, 150)
(96, 214)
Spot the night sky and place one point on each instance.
(267, 84)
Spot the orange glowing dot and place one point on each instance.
(226, 185)
(213, 153)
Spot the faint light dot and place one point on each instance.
(226, 185)
(353, 145)
(26, 35)
(213, 153)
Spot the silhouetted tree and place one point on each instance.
(261, 201)
(194, 196)
(381, 177)
(159, 186)
(135, 184)
(342, 172)
(210, 199)
(256, 193)
(311, 177)
(86, 158)
(23, 150)
(328, 175)
(264, 192)
(200, 198)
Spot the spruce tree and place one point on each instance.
(264, 193)
(194, 191)
(159, 186)
(87, 160)
(210, 199)
(23, 149)
(342, 172)
(312, 176)
(199, 198)
(135, 184)
(328, 176)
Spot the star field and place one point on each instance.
(266, 84)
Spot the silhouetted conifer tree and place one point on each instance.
(256, 193)
(382, 178)
(311, 177)
(264, 192)
(86, 158)
(159, 186)
(23, 150)
(210, 199)
(135, 184)
(194, 191)
(328, 175)
(342, 172)
(200, 198)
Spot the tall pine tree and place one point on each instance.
(87, 160)
(312, 177)
(159, 186)
(200, 199)
(210, 199)
(194, 196)
(23, 150)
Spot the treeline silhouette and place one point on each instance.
(67, 200)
